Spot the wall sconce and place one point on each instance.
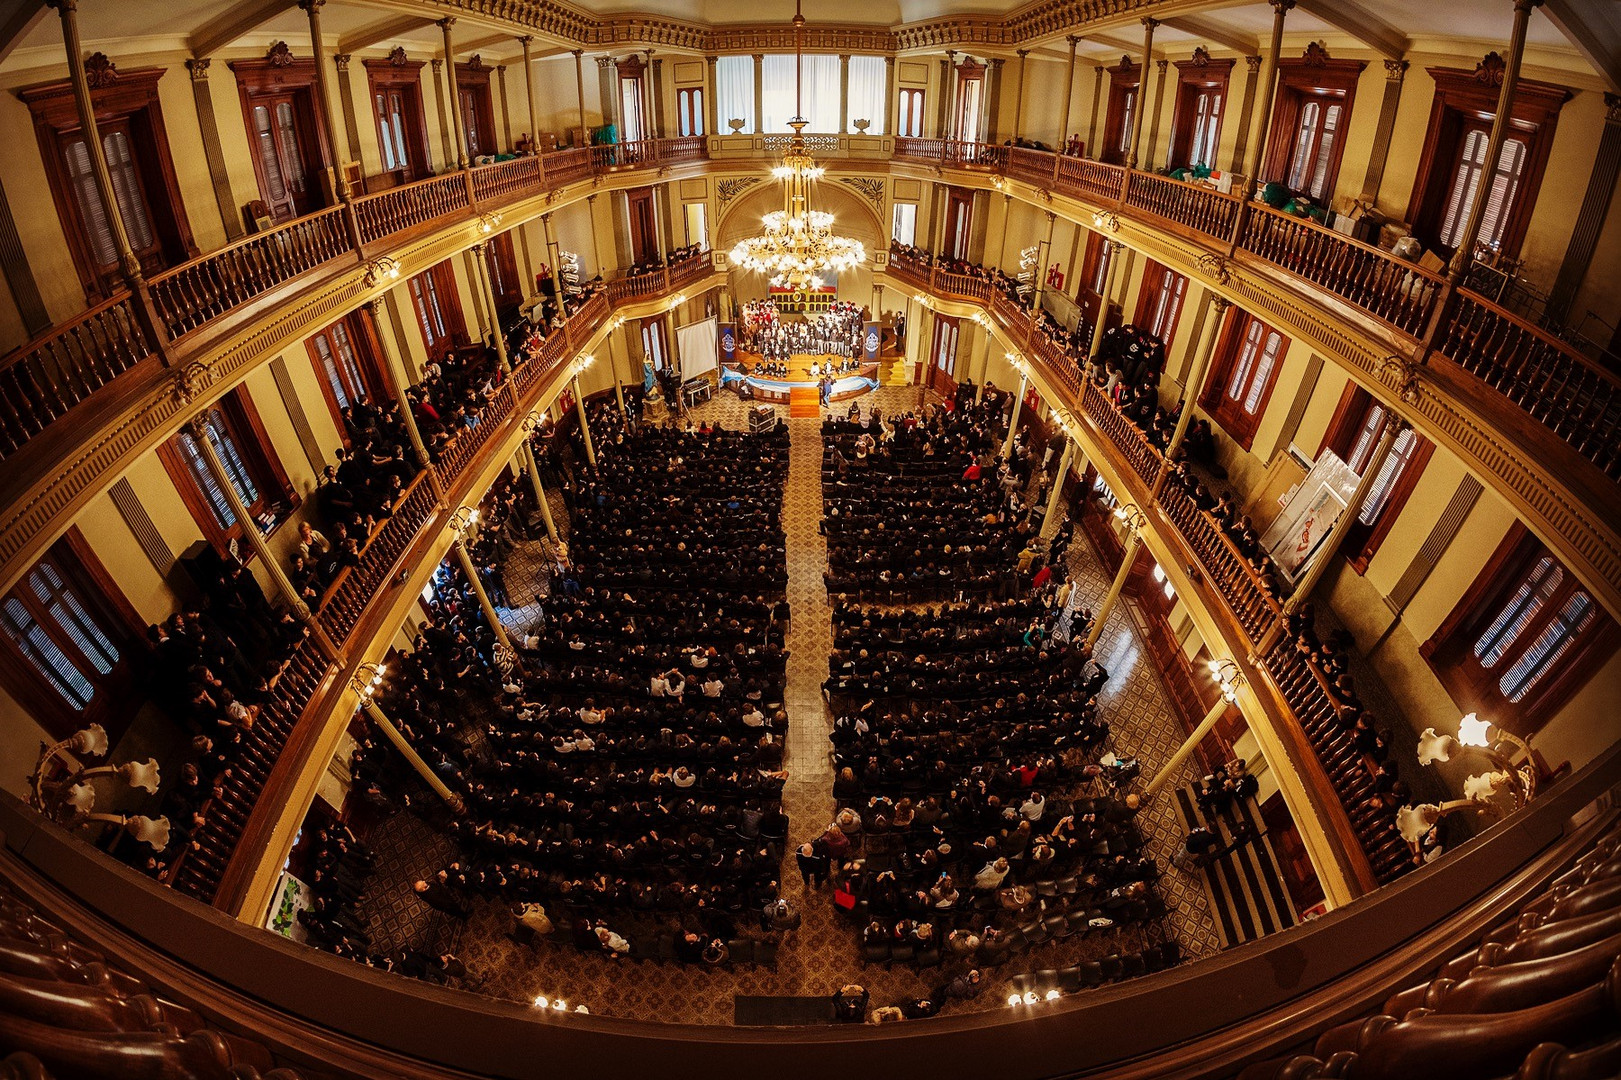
(1133, 518)
(69, 801)
(382, 270)
(463, 518)
(367, 680)
(488, 222)
(1226, 673)
(1485, 738)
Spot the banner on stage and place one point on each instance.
(805, 301)
(871, 340)
(728, 343)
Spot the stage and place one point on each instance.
(861, 379)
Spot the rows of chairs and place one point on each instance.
(1094, 973)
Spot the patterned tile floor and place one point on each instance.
(823, 954)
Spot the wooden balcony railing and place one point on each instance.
(1553, 383)
(1399, 292)
(1140, 455)
(1198, 207)
(1094, 179)
(345, 600)
(190, 296)
(412, 205)
(1223, 565)
(42, 380)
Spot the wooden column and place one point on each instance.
(1092, 125)
(323, 97)
(1018, 101)
(891, 98)
(1185, 751)
(481, 259)
(470, 572)
(1049, 522)
(1109, 277)
(531, 422)
(1252, 65)
(458, 139)
(1013, 421)
(553, 261)
(759, 93)
(1464, 256)
(1269, 88)
(131, 266)
(711, 105)
(1191, 392)
(1590, 219)
(1043, 253)
(213, 153)
(1117, 586)
(528, 42)
(346, 101)
(377, 716)
(1142, 91)
(506, 105)
(844, 93)
(1159, 107)
(1395, 73)
(445, 135)
(579, 85)
(1069, 94)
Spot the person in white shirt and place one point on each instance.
(712, 687)
(658, 686)
(589, 713)
(753, 717)
(675, 685)
(1033, 807)
(683, 778)
(700, 659)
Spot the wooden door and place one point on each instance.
(286, 156)
(129, 188)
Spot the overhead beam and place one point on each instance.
(1242, 44)
(1350, 18)
(489, 41)
(1594, 27)
(379, 32)
(232, 23)
(17, 17)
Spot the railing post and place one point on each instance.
(149, 320)
(1240, 222)
(351, 225)
(467, 185)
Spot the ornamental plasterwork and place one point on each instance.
(731, 187)
(871, 187)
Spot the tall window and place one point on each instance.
(1354, 433)
(73, 642)
(238, 438)
(396, 97)
(869, 93)
(734, 91)
(439, 313)
(655, 348)
(130, 121)
(1160, 303)
(970, 95)
(477, 110)
(1236, 395)
(345, 359)
(633, 125)
(959, 223)
(1311, 113)
(1522, 639)
(501, 261)
(284, 132)
(689, 108)
(1206, 126)
(1122, 111)
(1466, 185)
(911, 118)
(1095, 271)
(820, 97)
(696, 216)
(903, 228)
(943, 352)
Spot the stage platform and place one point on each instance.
(780, 389)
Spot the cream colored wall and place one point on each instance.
(20, 737)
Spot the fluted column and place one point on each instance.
(844, 93)
(711, 103)
(470, 572)
(759, 93)
(1142, 91)
(1261, 127)
(579, 85)
(1049, 522)
(1069, 95)
(400, 380)
(455, 93)
(1109, 278)
(1133, 544)
(533, 466)
(1464, 256)
(1018, 99)
(408, 752)
(481, 259)
(131, 266)
(1191, 392)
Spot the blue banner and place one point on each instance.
(728, 343)
(871, 341)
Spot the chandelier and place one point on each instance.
(798, 245)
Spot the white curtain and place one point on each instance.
(869, 83)
(734, 92)
(821, 94)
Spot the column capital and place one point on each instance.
(1073, 41)
(1282, 6)
(1612, 108)
(198, 67)
(1021, 53)
(605, 62)
(341, 61)
(1253, 63)
(1162, 65)
(64, 6)
(196, 426)
(445, 23)
(438, 65)
(1149, 23)
(889, 61)
(311, 6)
(500, 70)
(996, 62)
(1222, 304)
(1395, 70)
(844, 58)
(710, 60)
(376, 304)
(759, 58)
(577, 53)
(526, 39)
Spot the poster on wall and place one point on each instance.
(1311, 511)
(291, 897)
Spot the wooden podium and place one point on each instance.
(804, 401)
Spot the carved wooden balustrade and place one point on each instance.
(188, 297)
(65, 1013)
(1399, 292)
(1140, 455)
(42, 380)
(345, 600)
(1352, 773)
(1194, 205)
(1559, 387)
(1537, 374)
(1536, 998)
(200, 864)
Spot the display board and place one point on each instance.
(1309, 514)
(698, 346)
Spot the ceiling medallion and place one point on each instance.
(798, 245)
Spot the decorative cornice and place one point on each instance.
(1316, 54)
(99, 71)
(280, 55)
(397, 56)
(1396, 70)
(1201, 56)
(1490, 70)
